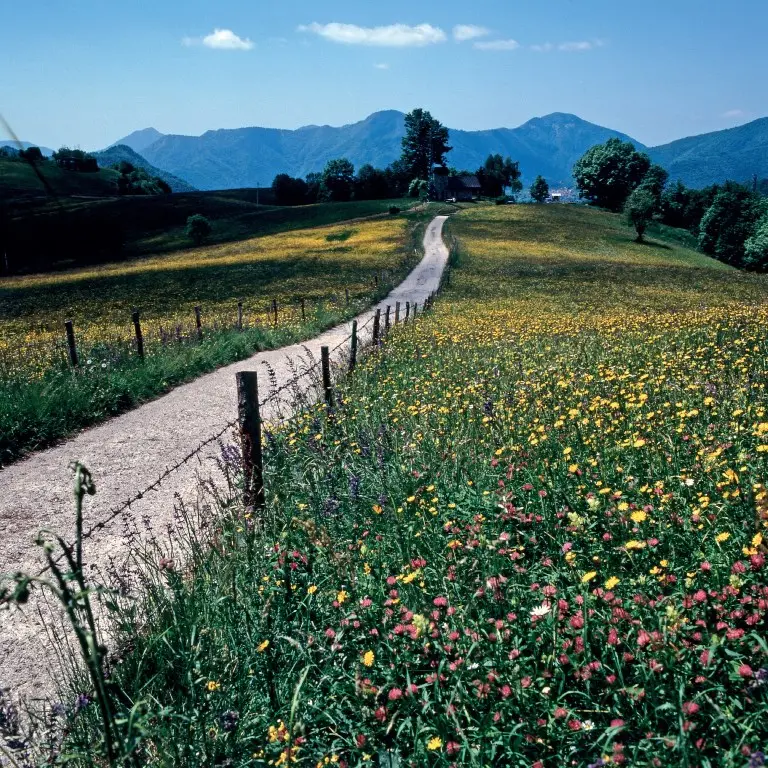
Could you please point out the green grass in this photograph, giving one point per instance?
(18, 179)
(42, 400)
(70, 232)
(527, 536)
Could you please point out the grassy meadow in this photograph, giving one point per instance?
(43, 399)
(531, 534)
(71, 231)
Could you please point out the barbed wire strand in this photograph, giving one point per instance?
(125, 506)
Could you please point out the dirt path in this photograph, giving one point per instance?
(126, 455)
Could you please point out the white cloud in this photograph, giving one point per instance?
(222, 40)
(732, 113)
(392, 36)
(463, 32)
(381, 66)
(497, 45)
(577, 47)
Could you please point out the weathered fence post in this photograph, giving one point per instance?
(397, 312)
(353, 348)
(376, 326)
(325, 359)
(346, 293)
(376, 280)
(448, 277)
(239, 315)
(415, 307)
(407, 311)
(303, 313)
(386, 319)
(274, 310)
(250, 433)
(198, 323)
(139, 335)
(71, 343)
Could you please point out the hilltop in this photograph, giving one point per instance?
(123, 153)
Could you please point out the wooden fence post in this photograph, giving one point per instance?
(397, 312)
(376, 326)
(250, 433)
(415, 307)
(139, 335)
(407, 311)
(303, 313)
(353, 348)
(386, 319)
(198, 323)
(239, 315)
(325, 359)
(376, 280)
(274, 310)
(71, 344)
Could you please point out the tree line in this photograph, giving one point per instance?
(424, 152)
(131, 179)
(730, 220)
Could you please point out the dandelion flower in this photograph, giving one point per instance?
(611, 583)
(263, 646)
(638, 516)
(368, 658)
(434, 743)
(721, 537)
(311, 589)
(587, 577)
(213, 685)
(342, 596)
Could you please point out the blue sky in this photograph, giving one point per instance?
(86, 72)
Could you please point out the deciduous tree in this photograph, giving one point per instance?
(607, 173)
(338, 180)
(539, 189)
(425, 144)
(639, 208)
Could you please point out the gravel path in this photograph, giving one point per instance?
(126, 455)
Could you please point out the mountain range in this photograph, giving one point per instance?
(549, 145)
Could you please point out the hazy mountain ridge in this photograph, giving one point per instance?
(549, 145)
(122, 152)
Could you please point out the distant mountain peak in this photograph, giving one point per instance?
(139, 140)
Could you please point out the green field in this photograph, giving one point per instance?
(43, 400)
(18, 179)
(533, 534)
(43, 234)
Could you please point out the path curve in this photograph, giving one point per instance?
(126, 454)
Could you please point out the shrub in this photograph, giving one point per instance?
(198, 228)
(393, 210)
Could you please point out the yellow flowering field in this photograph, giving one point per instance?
(319, 265)
(532, 532)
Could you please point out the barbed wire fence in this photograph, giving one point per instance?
(298, 396)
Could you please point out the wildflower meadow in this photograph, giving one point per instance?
(532, 532)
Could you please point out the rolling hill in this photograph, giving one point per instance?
(47, 151)
(736, 154)
(121, 152)
(549, 145)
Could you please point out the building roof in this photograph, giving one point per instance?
(457, 183)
